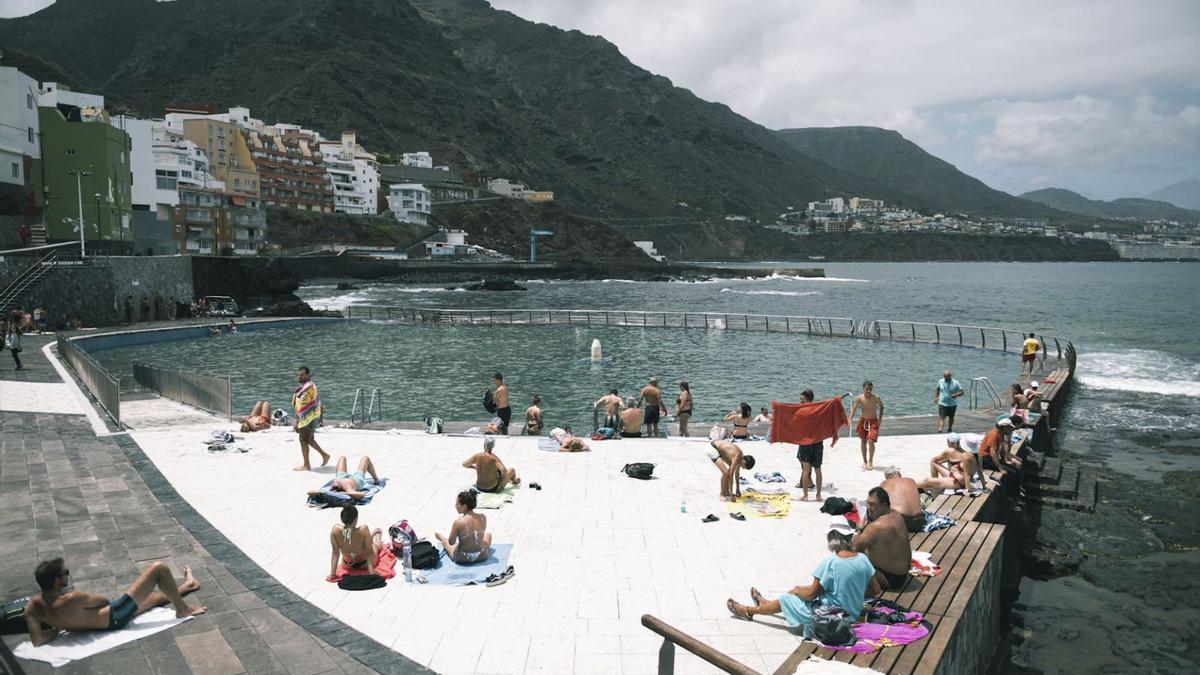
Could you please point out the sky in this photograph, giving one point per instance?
(1098, 96)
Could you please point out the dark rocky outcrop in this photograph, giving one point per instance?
(495, 285)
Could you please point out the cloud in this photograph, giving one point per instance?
(11, 8)
(1085, 131)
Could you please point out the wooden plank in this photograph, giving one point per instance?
(792, 662)
(953, 559)
(933, 645)
(966, 577)
(946, 554)
(955, 576)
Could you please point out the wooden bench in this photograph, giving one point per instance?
(963, 552)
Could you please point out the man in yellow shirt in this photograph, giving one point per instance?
(1029, 352)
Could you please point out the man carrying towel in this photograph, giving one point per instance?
(79, 611)
(307, 404)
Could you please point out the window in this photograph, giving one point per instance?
(31, 134)
(16, 170)
(166, 180)
(70, 152)
(29, 101)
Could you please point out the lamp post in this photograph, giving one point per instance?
(79, 194)
(96, 196)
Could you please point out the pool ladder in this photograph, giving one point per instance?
(374, 407)
(985, 385)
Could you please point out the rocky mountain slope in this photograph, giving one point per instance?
(1184, 194)
(1129, 207)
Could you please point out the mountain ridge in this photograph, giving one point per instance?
(1116, 209)
(1185, 194)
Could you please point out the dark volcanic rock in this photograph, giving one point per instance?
(496, 285)
(346, 286)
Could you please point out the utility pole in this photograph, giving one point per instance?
(79, 194)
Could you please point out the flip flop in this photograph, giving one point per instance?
(731, 606)
(710, 518)
(535, 486)
(737, 516)
(756, 596)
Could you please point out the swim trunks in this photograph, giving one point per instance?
(713, 455)
(121, 611)
(868, 428)
(895, 581)
(651, 416)
(1029, 358)
(505, 414)
(811, 454)
(631, 434)
(611, 421)
(947, 411)
(914, 523)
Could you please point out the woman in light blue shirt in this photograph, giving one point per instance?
(844, 579)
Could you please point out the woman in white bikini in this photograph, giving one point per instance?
(468, 542)
(356, 545)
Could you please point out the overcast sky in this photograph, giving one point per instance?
(1099, 96)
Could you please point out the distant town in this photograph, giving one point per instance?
(199, 181)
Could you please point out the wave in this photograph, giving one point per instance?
(338, 302)
(787, 293)
(790, 277)
(428, 290)
(1140, 370)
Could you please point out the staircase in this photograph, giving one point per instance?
(37, 234)
(11, 295)
(1060, 485)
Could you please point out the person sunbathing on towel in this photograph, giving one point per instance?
(79, 611)
(568, 442)
(845, 579)
(356, 545)
(468, 542)
(351, 484)
(730, 461)
(490, 473)
(258, 419)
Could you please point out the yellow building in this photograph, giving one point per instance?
(538, 195)
(228, 154)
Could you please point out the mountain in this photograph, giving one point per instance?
(886, 157)
(1184, 194)
(1128, 208)
(479, 88)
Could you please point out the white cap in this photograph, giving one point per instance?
(1033, 385)
(951, 439)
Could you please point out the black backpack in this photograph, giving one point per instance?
(489, 403)
(639, 470)
(424, 555)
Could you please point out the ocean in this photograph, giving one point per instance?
(1114, 596)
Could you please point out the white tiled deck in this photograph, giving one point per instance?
(593, 551)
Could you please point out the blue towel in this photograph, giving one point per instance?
(450, 573)
(330, 498)
(936, 521)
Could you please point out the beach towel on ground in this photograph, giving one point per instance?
(71, 646)
(767, 489)
(450, 573)
(923, 565)
(871, 637)
(936, 521)
(329, 498)
(494, 500)
(760, 505)
(548, 444)
(807, 423)
(385, 566)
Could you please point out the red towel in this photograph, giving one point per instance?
(807, 423)
(385, 566)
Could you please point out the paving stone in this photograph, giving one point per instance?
(208, 653)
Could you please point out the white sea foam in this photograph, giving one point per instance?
(1140, 370)
(338, 302)
(787, 293)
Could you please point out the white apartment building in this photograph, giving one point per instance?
(19, 143)
(355, 175)
(409, 203)
(50, 94)
(507, 188)
(834, 205)
(420, 160)
(864, 204)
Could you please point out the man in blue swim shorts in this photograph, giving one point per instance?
(79, 611)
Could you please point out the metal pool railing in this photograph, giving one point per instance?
(103, 386)
(976, 337)
(213, 393)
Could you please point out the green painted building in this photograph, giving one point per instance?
(73, 141)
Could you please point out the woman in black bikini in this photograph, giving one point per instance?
(741, 420)
(683, 408)
(356, 545)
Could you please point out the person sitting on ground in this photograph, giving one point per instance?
(764, 416)
(956, 466)
(1018, 396)
(258, 419)
(468, 542)
(843, 579)
(80, 611)
(356, 545)
(905, 498)
(1033, 397)
(883, 536)
(533, 417)
(631, 419)
(567, 442)
(612, 405)
(741, 420)
(351, 484)
(730, 461)
(490, 473)
(995, 450)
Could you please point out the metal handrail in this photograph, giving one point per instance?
(375, 406)
(211, 393)
(673, 636)
(988, 388)
(103, 386)
(992, 338)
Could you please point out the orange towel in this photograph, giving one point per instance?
(807, 423)
(385, 566)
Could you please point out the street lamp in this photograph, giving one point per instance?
(79, 194)
(96, 196)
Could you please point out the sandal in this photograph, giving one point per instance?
(756, 596)
(743, 615)
(710, 518)
(738, 516)
(535, 486)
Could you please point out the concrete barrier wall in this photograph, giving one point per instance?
(129, 338)
(970, 648)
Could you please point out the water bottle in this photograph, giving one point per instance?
(408, 574)
(683, 503)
